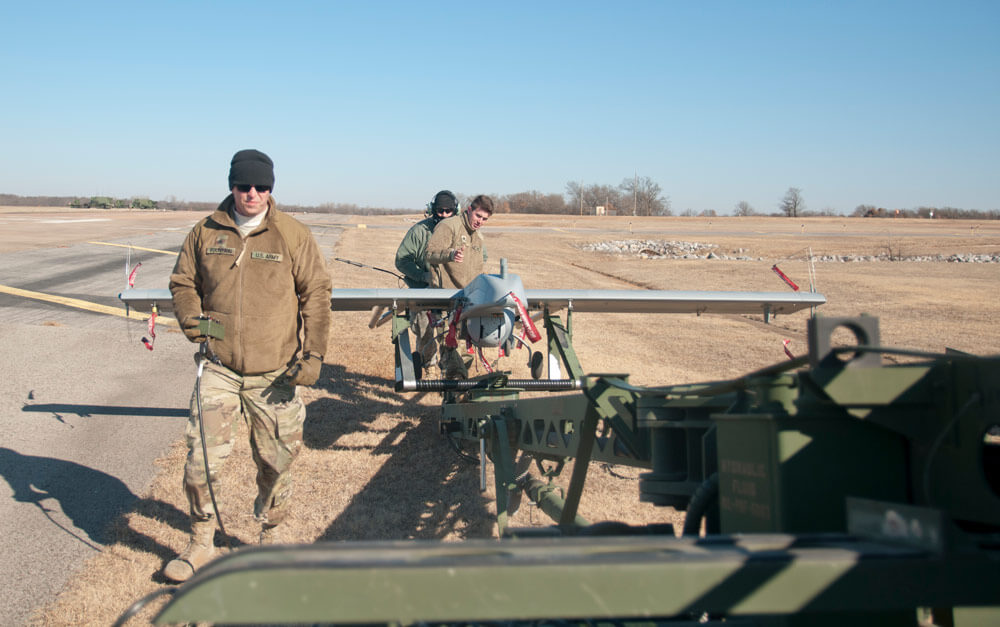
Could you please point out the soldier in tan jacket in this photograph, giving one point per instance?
(456, 254)
(260, 273)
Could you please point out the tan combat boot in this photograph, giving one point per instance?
(200, 550)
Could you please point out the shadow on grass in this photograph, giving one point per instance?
(361, 399)
(423, 489)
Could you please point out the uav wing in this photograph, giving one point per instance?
(609, 301)
(403, 298)
(672, 301)
(143, 300)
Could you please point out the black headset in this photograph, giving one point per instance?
(430, 205)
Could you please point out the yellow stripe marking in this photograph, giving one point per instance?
(82, 304)
(152, 250)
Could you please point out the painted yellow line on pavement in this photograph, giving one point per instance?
(152, 250)
(82, 304)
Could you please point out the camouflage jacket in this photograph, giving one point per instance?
(263, 288)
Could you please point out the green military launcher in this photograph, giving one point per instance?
(830, 489)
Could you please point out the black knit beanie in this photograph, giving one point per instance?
(251, 167)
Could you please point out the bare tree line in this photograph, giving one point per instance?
(943, 213)
(637, 196)
(793, 205)
(640, 196)
(634, 196)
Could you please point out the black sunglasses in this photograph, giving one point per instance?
(260, 188)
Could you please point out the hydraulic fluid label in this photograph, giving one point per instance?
(743, 490)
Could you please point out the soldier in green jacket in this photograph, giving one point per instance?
(258, 272)
(410, 261)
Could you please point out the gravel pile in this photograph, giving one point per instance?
(957, 258)
(659, 249)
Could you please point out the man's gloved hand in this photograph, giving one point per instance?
(192, 329)
(305, 370)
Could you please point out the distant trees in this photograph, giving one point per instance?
(792, 204)
(531, 202)
(638, 195)
(587, 199)
(647, 198)
(936, 213)
(954, 213)
(337, 207)
(13, 200)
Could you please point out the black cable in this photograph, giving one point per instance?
(364, 265)
(704, 499)
(458, 449)
(204, 446)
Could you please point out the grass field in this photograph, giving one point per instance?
(374, 467)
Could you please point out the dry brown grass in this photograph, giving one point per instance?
(375, 468)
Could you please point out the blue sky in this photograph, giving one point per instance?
(381, 104)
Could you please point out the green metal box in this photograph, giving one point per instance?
(792, 474)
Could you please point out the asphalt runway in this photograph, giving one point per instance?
(85, 407)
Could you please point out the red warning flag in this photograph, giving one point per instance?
(151, 327)
(131, 275)
(451, 338)
(785, 278)
(526, 322)
(788, 352)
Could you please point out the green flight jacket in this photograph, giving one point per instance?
(410, 254)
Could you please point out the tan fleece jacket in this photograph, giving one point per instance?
(449, 235)
(263, 288)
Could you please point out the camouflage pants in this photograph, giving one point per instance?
(455, 362)
(425, 343)
(274, 414)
